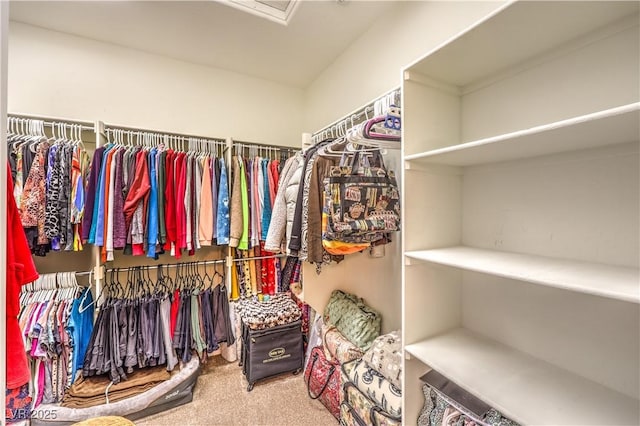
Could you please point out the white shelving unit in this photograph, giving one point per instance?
(522, 386)
(521, 231)
(608, 127)
(615, 282)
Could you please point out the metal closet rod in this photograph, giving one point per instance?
(194, 263)
(51, 122)
(166, 265)
(273, 256)
(357, 114)
(174, 265)
(184, 137)
(244, 144)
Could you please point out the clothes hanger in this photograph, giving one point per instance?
(82, 307)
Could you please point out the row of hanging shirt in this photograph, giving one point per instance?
(256, 175)
(56, 319)
(150, 197)
(148, 322)
(300, 200)
(48, 175)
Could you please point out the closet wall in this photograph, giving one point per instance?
(90, 80)
(371, 65)
(354, 79)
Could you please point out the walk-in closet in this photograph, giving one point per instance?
(296, 212)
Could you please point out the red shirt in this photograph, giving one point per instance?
(20, 271)
(169, 205)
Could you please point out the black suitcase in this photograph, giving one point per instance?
(271, 351)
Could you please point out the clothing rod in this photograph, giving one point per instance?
(185, 137)
(167, 265)
(50, 122)
(357, 112)
(78, 274)
(274, 256)
(260, 145)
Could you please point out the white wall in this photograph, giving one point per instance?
(370, 67)
(60, 75)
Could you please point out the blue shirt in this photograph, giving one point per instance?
(80, 328)
(96, 235)
(152, 211)
(223, 221)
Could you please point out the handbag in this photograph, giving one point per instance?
(337, 347)
(363, 200)
(371, 383)
(324, 381)
(365, 409)
(353, 318)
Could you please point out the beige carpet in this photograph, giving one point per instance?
(221, 398)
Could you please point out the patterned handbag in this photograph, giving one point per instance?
(442, 410)
(372, 384)
(364, 409)
(353, 318)
(363, 199)
(337, 347)
(324, 381)
(349, 417)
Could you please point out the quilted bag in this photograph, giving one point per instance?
(366, 410)
(353, 318)
(364, 199)
(324, 381)
(337, 347)
(385, 356)
(440, 410)
(349, 417)
(374, 386)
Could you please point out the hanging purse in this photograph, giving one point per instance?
(363, 198)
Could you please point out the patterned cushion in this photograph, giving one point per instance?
(278, 310)
(373, 384)
(338, 347)
(385, 356)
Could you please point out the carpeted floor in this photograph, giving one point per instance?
(221, 398)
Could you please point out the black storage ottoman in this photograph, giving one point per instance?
(271, 351)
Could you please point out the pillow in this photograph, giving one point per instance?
(385, 356)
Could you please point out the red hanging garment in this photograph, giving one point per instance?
(20, 271)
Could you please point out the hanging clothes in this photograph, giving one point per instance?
(152, 200)
(19, 270)
(56, 319)
(147, 323)
(48, 178)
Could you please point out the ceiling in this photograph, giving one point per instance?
(211, 33)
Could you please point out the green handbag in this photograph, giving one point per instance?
(353, 318)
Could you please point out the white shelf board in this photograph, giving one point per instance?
(526, 389)
(612, 126)
(514, 33)
(614, 282)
